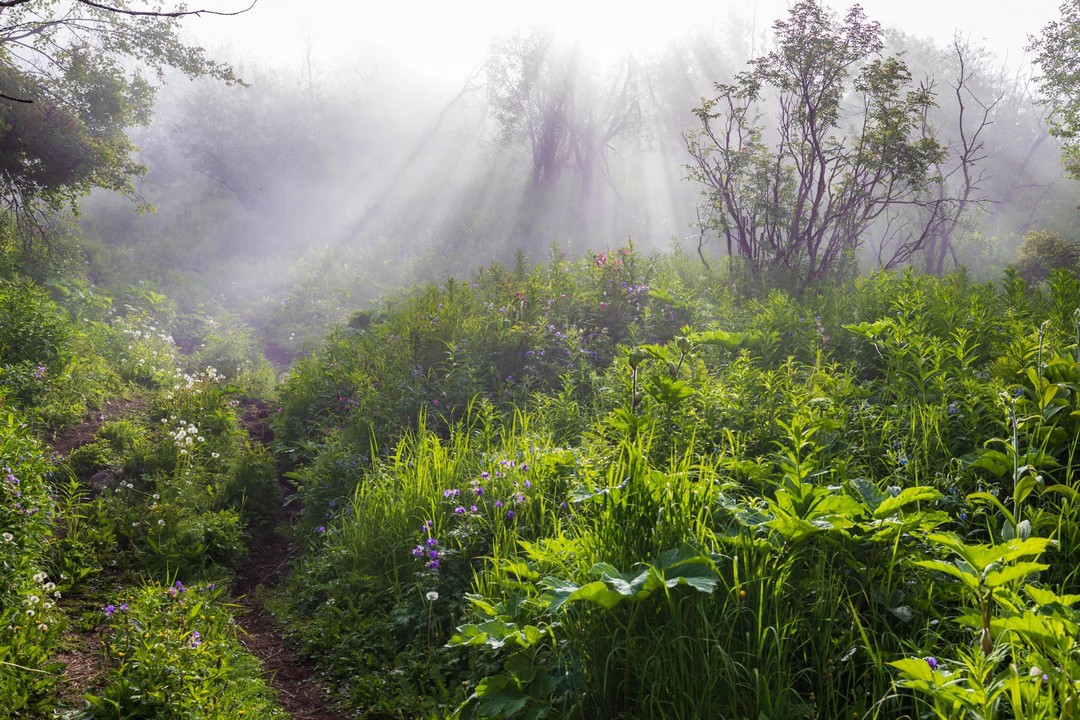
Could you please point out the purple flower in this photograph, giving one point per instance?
(432, 542)
(123, 607)
(498, 504)
(932, 662)
(433, 565)
(485, 474)
(453, 492)
(510, 514)
(459, 510)
(418, 551)
(472, 508)
(528, 484)
(433, 554)
(321, 529)
(524, 467)
(479, 491)
(109, 609)
(179, 586)
(196, 639)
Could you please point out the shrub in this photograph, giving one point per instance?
(174, 653)
(1041, 252)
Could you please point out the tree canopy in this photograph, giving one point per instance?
(74, 76)
(848, 149)
(1056, 54)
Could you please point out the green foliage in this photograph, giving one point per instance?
(1043, 251)
(1054, 54)
(68, 105)
(29, 620)
(800, 206)
(752, 513)
(173, 652)
(502, 337)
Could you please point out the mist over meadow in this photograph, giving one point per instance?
(489, 361)
(329, 183)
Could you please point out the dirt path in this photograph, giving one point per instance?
(289, 674)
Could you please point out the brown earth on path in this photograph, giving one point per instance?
(291, 676)
(67, 439)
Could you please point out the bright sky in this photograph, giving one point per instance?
(446, 39)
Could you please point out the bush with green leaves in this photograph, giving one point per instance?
(502, 336)
(178, 491)
(174, 652)
(47, 363)
(29, 620)
(750, 514)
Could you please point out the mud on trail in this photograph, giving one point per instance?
(291, 676)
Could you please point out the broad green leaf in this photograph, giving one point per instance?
(467, 635)
(968, 578)
(698, 573)
(869, 492)
(728, 340)
(1043, 596)
(597, 592)
(482, 604)
(914, 668)
(995, 462)
(558, 592)
(520, 570)
(906, 497)
(1010, 573)
(501, 695)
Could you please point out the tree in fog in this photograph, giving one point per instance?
(72, 80)
(542, 97)
(1001, 175)
(848, 150)
(1056, 53)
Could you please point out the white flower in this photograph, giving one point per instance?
(8, 537)
(49, 587)
(161, 523)
(43, 627)
(432, 596)
(40, 577)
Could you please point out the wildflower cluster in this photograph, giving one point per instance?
(493, 496)
(148, 354)
(175, 647)
(185, 435)
(40, 602)
(428, 550)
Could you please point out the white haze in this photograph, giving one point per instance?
(364, 154)
(449, 40)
